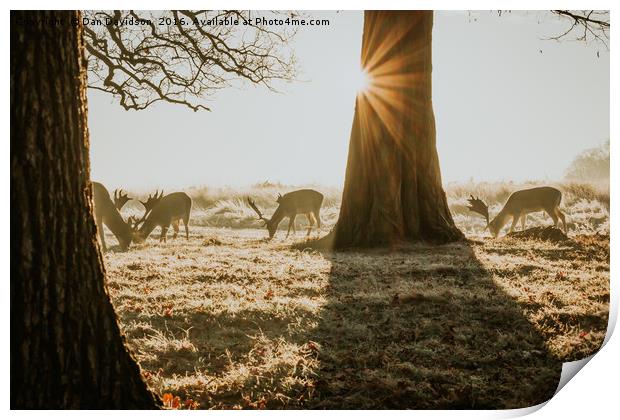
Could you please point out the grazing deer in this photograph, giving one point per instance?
(519, 204)
(168, 210)
(107, 213)
(290, 205)
(120, 200)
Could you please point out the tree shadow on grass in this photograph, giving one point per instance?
(425, 328)
(418, 327)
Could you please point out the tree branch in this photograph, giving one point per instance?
(594, 24)
(182, 57)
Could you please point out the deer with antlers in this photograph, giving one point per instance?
(306, 202)
(106, 212)
(518, 205)
(163, 211)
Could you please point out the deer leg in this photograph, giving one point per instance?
(164, 231)
(523, 217)
(311, 221)
(316, 221)
(515, 219)
(551, 213)
(317, 215)
(291, 223)
(562, 217)
(101, 233)
(186, 224)
(175, 226)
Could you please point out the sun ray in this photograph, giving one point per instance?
(390, 95)
(372, 54)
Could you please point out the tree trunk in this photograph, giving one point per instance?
(393, 189)
(67, 350)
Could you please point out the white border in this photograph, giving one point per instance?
(591, 395)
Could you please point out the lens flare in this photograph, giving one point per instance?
(363, 81)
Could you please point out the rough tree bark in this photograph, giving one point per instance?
(393, 189)
(66, 347)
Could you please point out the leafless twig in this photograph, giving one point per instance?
(586, 25)
(181, 57)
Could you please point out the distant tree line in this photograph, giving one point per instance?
(590, 165)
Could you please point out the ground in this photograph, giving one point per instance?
(228, 319)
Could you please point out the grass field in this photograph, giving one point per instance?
(586, 205)
(231, 320)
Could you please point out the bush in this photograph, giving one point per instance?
(590, 165)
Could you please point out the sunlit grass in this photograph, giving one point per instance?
(233, 321)
(586, 205)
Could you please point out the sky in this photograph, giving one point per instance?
(509, 105)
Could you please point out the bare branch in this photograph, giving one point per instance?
(586, 25)
(182, 57)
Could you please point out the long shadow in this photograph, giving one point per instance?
(425, 328)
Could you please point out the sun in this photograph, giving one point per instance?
(362, 81)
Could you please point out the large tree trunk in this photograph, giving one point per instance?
(393, 189)
(66, 347)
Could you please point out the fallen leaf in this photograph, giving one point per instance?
(167, 399)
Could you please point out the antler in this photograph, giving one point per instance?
(478, 206)
(253, 205)
(148, 199)
(153, 198)
(120, 199)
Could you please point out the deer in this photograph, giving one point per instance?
(120, 200)
(305, 201)
(107, 213)
(518, 205)
(166, 211)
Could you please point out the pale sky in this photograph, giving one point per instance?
(504, 111)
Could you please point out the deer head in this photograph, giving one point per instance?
(478, 206)
(119, 199)
(271, 226)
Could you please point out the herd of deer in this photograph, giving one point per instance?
(163, 211)
(160, 211)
